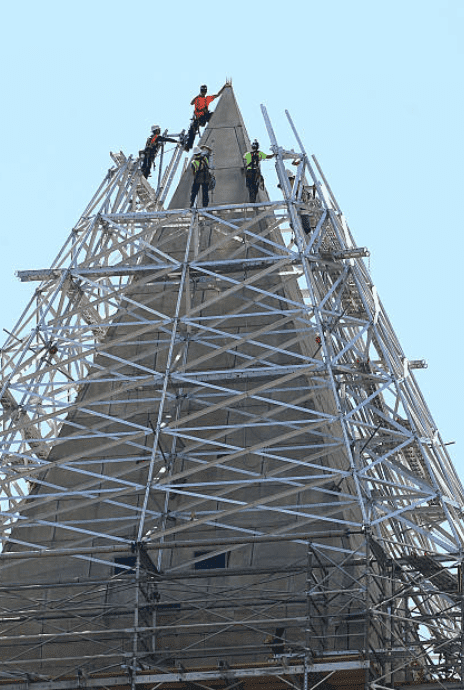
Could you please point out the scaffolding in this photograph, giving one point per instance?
(218, 470)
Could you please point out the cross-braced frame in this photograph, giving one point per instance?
(217, 464)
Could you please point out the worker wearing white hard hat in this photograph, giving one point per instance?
(201, 175)
(148, 155)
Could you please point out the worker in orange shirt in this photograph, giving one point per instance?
(201, 114)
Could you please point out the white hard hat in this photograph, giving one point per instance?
(154, 127)
(290, 174)
(196, 151)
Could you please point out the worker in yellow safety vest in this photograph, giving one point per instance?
(254, 179)
(202, 176)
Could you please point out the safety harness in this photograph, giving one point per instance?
(200, 109)
(200, 165)
(254, 162)
(151, 141)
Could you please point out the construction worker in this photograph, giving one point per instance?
(308, 193)
(253, 176)
(291, 178)
(201, 174)
(148, 155)
(201, 114)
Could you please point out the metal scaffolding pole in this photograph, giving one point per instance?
(217, 465)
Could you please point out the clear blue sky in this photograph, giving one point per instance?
(375, 89)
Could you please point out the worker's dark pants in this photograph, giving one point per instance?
(204, 189)
(197, 122)
(305, 222)
(253, 180)
(148, 158)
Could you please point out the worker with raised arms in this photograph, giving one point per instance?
(201, 113)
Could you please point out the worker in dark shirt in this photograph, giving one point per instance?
(253, 177)
(201, 113)
(308, 197)
(201, 175)
(154, 141)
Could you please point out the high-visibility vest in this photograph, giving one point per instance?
(151, 141)
(252, 159)
(199, 164)
(201, 104)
